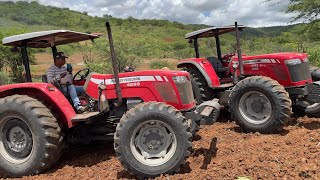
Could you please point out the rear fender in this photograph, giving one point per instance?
(53, 99)
(204, 67)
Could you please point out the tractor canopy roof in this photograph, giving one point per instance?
(212, 31)
(44, 39)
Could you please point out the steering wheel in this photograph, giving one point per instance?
(228, 56)
(81, 74)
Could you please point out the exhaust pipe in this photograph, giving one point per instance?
(239, 50)
(114, 64)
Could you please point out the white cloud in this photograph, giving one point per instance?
(255, 13)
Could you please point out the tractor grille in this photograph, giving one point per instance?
(299, 72)
(167, 92)
(185, 91)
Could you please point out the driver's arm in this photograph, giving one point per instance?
(54, 75)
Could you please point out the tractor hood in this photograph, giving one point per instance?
(130, 79)
(275, 56)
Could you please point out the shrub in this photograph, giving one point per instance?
(4, 79)
(314, 58)
(158, 64)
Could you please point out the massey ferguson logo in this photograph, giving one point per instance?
(128, 79)
(123, 80)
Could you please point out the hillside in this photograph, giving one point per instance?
(37, 16)
(136, 40)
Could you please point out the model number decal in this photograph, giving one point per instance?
(133, 84)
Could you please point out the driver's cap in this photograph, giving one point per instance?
(60, 55)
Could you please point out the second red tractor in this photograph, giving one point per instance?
(259, 91)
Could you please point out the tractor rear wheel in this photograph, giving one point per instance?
(260, 104)
(30, 137)
(201, 91)
(152, 139)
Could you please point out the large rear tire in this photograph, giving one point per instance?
(152, 139)
(260, 104)
(30, 137)
(201, 91)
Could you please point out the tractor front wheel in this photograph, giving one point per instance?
(152, 139)
(260, 104)
(30, 137)
(304, 108)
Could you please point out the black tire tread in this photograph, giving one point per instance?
(50, 127)
(270, 85)
(139, 109)
(206, 93)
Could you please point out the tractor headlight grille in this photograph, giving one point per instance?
(184, 87)
(298, 70)
(293, 61)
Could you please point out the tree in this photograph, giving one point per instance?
(308, 11)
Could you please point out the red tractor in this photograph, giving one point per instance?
(259, 91)
(148, 114)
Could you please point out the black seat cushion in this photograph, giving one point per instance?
(217, 65)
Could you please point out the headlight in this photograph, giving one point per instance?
(293, 61)
(179, 79)
(305, 60)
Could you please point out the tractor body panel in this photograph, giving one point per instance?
(270, 65)
(205, 68)
(275, 67)
(147, 85)
(47, 94)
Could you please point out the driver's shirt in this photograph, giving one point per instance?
(54, 71)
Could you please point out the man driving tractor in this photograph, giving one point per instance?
(59, 76)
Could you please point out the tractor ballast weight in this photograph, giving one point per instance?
(150, 115)
(253, 85)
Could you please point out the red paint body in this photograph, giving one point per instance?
(41, 91)
(159, 85)
(272, 65)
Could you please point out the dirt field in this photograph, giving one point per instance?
(221, 151)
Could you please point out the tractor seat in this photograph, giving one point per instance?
(217, 65)
(44, 79)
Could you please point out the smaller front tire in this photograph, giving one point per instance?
(152, 139)
(260, 104)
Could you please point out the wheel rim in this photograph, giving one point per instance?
(153, 143)
(255, 107)
(16, 142)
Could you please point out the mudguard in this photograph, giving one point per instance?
(204, 67)
(47, 94)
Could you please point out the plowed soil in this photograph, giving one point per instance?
(221, 151)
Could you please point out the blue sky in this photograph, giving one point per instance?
(254, 13)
